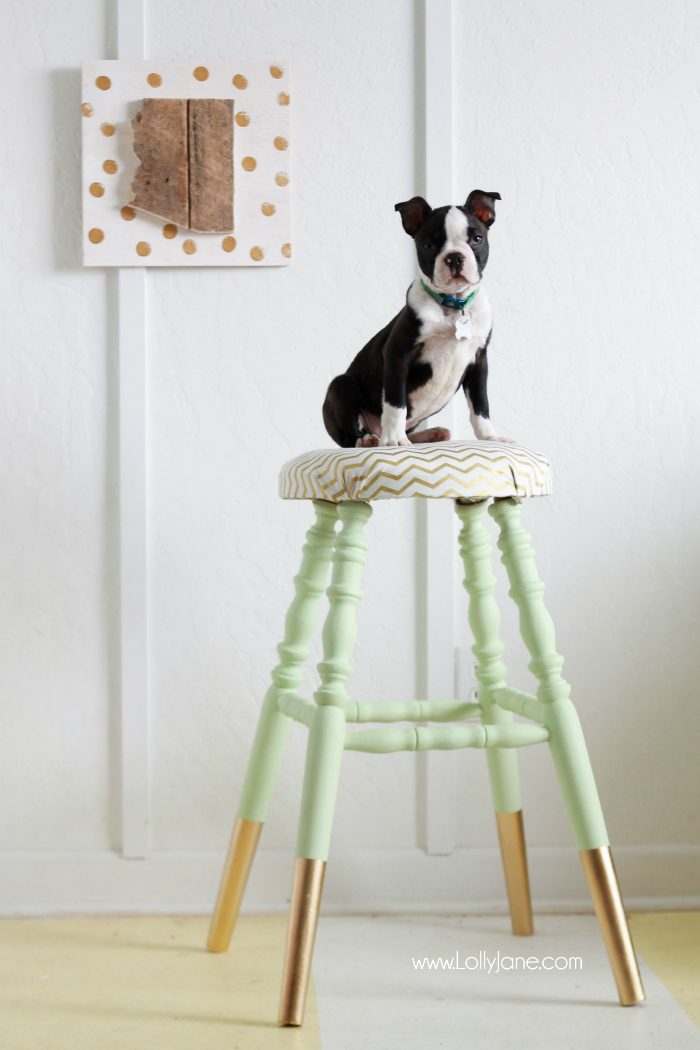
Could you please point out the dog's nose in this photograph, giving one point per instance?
(454, 261)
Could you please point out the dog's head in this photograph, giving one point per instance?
(452, 243)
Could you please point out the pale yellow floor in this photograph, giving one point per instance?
(146, 982)
(143, 982)
(669, 943)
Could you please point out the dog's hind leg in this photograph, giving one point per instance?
(417, 437)
(342, 413)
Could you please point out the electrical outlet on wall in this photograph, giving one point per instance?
(465, 680)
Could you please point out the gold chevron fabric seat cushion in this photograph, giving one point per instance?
(468, 470)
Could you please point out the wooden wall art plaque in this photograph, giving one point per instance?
(186, 164)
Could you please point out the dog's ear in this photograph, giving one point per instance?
(482, 204)
(413, 214)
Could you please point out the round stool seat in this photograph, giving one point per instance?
(467, 470)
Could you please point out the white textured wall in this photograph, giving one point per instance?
(55, 454)
(585, 117)
(240, 364)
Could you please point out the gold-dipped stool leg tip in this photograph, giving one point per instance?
(511, 838)
(607, 900)
(244, 842)
(301, 934)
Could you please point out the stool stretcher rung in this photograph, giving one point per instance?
(297, 708)
(444, 738)
(410, 711)
(520, 703)
(302, 710)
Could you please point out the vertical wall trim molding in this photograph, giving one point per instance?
(435, 518)
(133, 545)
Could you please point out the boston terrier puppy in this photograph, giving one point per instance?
(436, 344)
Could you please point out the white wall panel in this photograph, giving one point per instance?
(240, 364)
(585, 116)
(56, 463)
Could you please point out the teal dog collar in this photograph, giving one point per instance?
(450, 301)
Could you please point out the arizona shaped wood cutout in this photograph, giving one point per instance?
(185, 147)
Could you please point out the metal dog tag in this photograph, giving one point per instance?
(463, 326)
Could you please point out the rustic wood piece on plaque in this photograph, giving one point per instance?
(161, 182)
(186, 151)
(210, 125)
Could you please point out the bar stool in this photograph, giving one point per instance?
(479, 476)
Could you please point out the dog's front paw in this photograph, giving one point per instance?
(501, 438)
(393, 438)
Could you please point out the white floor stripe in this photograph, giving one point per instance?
(369, 994)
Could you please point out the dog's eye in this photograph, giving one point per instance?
(427, 246)
(476, 238)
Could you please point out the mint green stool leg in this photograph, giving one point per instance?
(484, 618)
(568, 748)
(323, 759)
(273, 726)
(537, 629)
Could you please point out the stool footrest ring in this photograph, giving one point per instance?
(302, 710)
(520, 703)
(444, 738)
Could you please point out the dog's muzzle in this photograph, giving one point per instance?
(454, 262)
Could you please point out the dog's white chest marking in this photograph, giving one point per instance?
(448, 358)
(447, 355)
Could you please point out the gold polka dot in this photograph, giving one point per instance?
(103, 83)
(86, 109)
(267, 208)
(95, 235)
(170, 230)
(249, 163)
(283, 99)
(286, 250)
(154, 79)
(240, 82)
(189, 247)
(110, 166)
(281, 178)
(256, 253)
(128, 213)
(228, 244)
(200, 73)
(96, 189)
(280, 142)
(107, 129)
(276, 72)
(143, 248)
(242, 119)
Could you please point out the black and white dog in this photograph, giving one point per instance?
(435, 345)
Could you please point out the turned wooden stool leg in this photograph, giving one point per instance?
(273, 726)
(323, 759)
(484, 618)
(568, 749)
